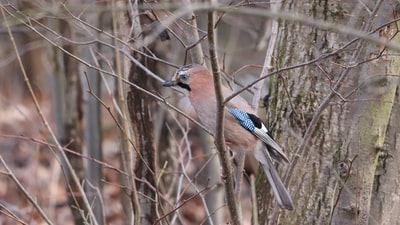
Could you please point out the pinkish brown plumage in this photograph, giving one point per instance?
(242, 128)
(202, 97)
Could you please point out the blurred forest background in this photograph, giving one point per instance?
(88, 135)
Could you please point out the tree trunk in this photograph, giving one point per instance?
(93, 121)
(331, 116)
(71, 100)
(141, 106)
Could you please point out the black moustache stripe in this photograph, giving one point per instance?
(184, 86)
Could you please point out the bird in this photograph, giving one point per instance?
(243, 129)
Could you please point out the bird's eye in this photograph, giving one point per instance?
(184, 77)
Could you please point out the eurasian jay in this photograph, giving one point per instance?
(242, 128)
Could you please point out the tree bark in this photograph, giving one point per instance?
(140, 107)
(331, 115)
(71, 135)
(93, 121)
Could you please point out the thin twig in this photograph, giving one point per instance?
(10, 211)
(180, 205)
(180, 192)
(46, 124)
(219, 136)
(324, 56)
(65, 148)
(268, 56)
(25, 192)
(124, 52)
(349, 170)
(325, 102)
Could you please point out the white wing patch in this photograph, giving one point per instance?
(262, 134)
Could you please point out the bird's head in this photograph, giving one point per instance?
(189, 76)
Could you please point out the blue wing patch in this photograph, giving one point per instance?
(243, 118)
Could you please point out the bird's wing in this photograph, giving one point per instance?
(264, 135)
(254, 124)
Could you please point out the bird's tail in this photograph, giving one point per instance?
(281, 194)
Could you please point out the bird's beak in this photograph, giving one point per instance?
(173, 83)
(170, 83)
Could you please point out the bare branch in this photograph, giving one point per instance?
(219, 136)
(25, 192)
(46, 124)
(268, 56)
